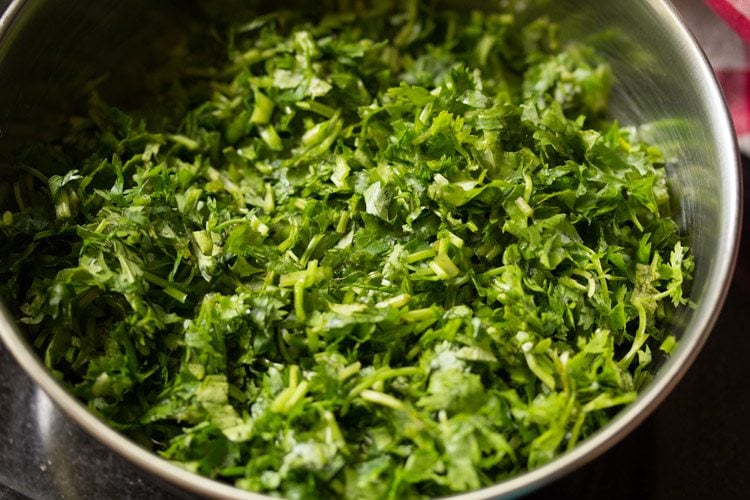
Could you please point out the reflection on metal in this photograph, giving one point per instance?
(43, 454)
(45, 414)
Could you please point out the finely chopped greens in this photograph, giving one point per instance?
(392, 252)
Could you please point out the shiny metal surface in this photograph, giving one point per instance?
(49, 49)
(44, 455)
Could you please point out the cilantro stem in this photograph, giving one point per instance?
(186, 142)
(383, 400)
(419, 315)
(640, 336)
(299, 309)
(166, 287)
(333, 431)
(19, 196)
(524, 206)
(319, 108)
(421, 255)
(263, 109)
(352, 369)
(311, 246)
(271, 138)
(381, 375)
(36, 173)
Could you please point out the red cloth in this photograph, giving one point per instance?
(736, 86)
(736, 13)
(728, 51)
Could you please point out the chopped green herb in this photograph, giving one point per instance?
(377, 253)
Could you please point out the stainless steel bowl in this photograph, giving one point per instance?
(49, 49)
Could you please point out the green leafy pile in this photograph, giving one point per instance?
(384, 254)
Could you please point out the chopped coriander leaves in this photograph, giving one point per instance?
(382, 254)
